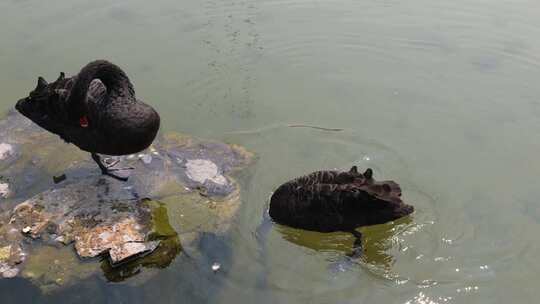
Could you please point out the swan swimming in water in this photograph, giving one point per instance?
(328, 201)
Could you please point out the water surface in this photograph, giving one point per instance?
(441, 96)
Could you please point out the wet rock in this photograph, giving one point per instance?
(79, 213)
(4, 190)
(146, 158)
(135, 224)
(6, 150)
(10, 272)
(206, 164)
(202, 171)
(168, 247)
(59, 178)
(10, 257)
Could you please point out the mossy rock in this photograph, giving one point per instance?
(180, 187)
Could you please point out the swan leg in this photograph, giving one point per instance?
(357, 245)
(348, 261)
(107, 169)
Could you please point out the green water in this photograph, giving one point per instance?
(441, 96)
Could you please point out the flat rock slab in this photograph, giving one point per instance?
(79, 214)
(99, 215)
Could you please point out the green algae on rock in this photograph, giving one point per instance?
(162, 256)
(178, 188)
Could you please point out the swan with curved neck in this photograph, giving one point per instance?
(96, 110)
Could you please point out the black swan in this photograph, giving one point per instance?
(328, 201)
(96, 110)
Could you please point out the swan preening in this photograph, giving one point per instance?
(328, 201)
(96, 110)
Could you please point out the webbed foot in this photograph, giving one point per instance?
(107, 168)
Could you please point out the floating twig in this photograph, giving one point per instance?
(316, 127)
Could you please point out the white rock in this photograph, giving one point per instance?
(8, 272)
(147, 158)
(4, 190)
(60, 239)
(201, 170)
(130, 249)
(5, 150)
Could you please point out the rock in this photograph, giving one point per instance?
(10, 257)
(135, 224)
(81, 214)
(146, 158)
(6, 150)
(59, 178)
(9, 272)
(206, 164)
(5, 253)
(4, 190)
(204, 171)
(167, 249)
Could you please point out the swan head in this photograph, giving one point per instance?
(33, 106)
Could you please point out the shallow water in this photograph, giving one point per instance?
(438, 95)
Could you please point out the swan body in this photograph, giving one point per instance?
(328, 201)
(96, 110)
